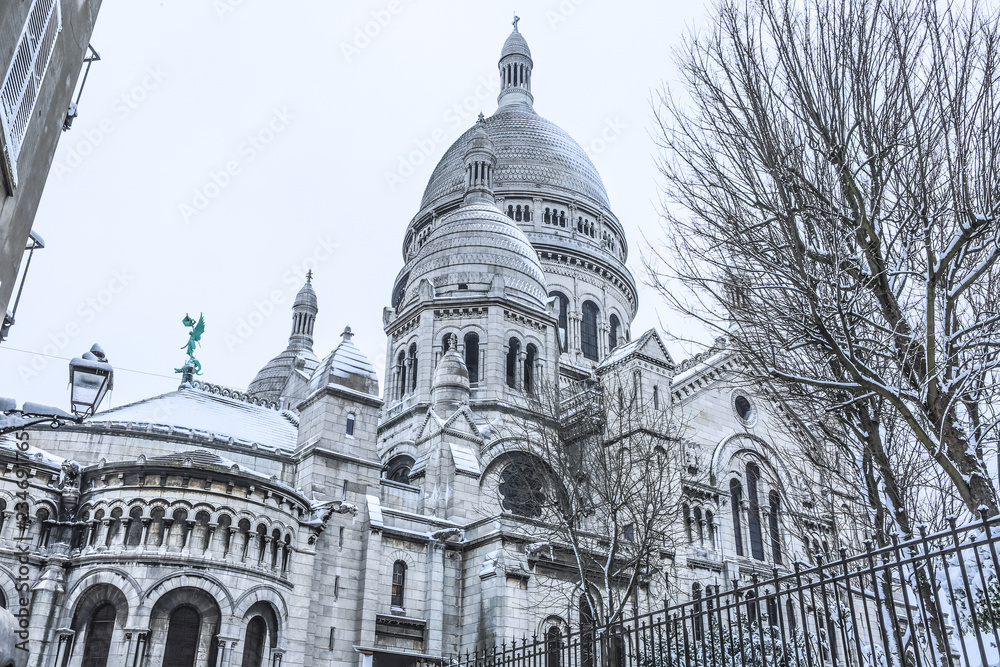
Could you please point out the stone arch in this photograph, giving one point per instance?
(262, 593)
(108, 577)
(204, 582)
(8, 585)
(733, 446)
(92, 605)
(212, 620)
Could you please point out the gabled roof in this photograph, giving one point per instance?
(647, 345)
(205, 410)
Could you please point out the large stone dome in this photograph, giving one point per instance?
(476, 249)
(533, 154)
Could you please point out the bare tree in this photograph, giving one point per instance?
(832, 203)
(608, 497)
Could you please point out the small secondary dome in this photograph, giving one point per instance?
(451, 389)
(476, 249)
(271, 380)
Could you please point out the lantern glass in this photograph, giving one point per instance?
(89, 382)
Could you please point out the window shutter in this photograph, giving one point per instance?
(23, 79)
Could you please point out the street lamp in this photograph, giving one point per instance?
(90, 379)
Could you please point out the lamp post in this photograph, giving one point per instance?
(90, 377)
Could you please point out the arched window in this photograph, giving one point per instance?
(553, 647)
(710, 529)
(563, 302)
(181, 647)
(735, 500)
(253, 646)
(97, 645)
(530, 356)
(398, 469)
(517, 215)
(472, 356)
(753, 516)
(398, 583)
(548, 216)
(510, 212)
(513, 351)
(615, 325)
(401, 374)
(588, 330)
(775, 526)
(527, 214)
(699, 526)
(413, 367)
(445, 342)
(686, 511)
(562, 218)
(656, 397)
(350, 423)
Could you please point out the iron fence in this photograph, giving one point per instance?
(929, 601)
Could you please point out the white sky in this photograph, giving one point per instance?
(182, 87)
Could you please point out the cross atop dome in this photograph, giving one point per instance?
(309, 276)
(514, 22)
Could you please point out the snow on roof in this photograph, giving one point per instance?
(465, 458)
(347, 366)
(200, 411)
(32, 453)
(623, 351)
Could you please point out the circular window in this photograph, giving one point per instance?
(521, 489)
(744, 409)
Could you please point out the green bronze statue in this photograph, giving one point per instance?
(192, 366)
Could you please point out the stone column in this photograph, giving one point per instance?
(102, 534)
(210, 539)
(146, 523)
(168, 528)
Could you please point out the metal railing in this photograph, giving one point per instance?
(929, 601)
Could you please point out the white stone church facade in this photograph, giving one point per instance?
(316, 520)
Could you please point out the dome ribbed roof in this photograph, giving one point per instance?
(531, 151)
(515, 44)
(271, 379)
(306, 298)
(469, 249)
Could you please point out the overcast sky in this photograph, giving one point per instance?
(224, 147)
